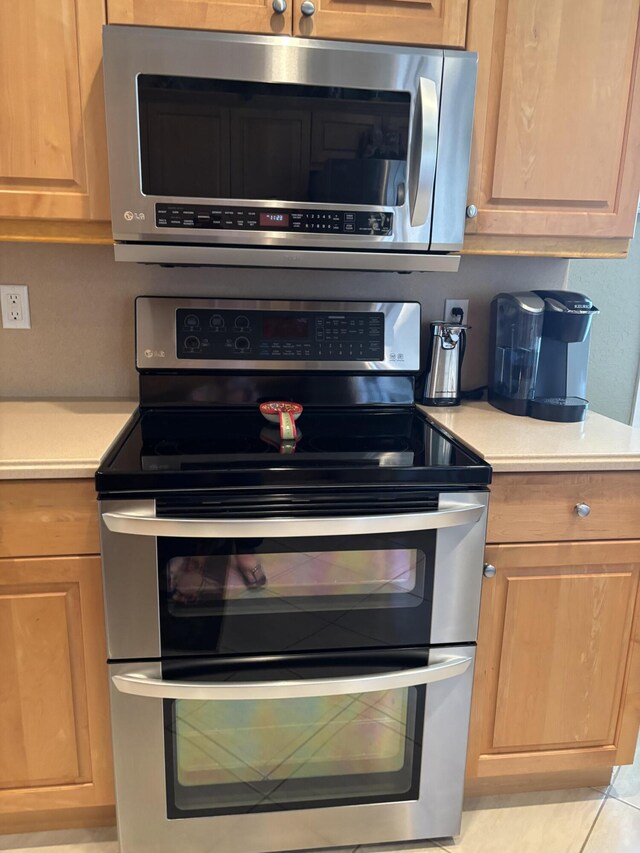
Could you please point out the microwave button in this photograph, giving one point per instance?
(349, 217)
(350, 226)
(175, 222)
(162, 221)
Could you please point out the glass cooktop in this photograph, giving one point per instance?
(194, 448)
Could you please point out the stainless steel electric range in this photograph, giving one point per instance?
(291, 620)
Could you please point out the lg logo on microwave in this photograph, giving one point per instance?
(129, 215)
(154, 353)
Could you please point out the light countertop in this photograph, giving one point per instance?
(57, 438)
(67, 438)
(511, 443)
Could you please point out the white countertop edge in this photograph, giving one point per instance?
(550, 463)
(57, 470)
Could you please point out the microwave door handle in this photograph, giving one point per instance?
(452, 515)
(140, 683)
(424, 152)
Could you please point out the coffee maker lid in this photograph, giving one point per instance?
(526, 300)
(567, 301)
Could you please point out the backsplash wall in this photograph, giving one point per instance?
(82, 339)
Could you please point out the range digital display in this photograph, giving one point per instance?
(286, 327)
(274, 220)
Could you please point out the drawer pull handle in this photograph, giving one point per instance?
(489, 571)
(583, 510)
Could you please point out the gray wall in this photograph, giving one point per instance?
(614, 361)
(81, 341)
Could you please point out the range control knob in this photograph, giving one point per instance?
(217, 323)
(243, 344)
(242, 322)
(192, 342)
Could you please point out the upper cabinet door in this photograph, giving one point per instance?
(53, 160)
(240, 16)
(417, 22)
(557, 129)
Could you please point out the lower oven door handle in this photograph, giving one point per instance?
(140, 684)
(450, 515)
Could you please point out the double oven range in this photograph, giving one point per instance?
(291, 624)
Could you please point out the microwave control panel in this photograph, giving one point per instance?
(279, 335)
(204, 216)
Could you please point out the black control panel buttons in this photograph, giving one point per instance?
(226, 335)
(293, 220)
(192, 321)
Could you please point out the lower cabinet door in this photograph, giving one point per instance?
(55, 746)
(558, 663)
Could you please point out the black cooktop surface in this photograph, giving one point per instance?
(169, 449)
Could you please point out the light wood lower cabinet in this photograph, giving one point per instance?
(556, 148)
(55, 742)
(557, 680)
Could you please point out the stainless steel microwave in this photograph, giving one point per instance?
(229, 149)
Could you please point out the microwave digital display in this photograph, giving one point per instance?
(274, 220)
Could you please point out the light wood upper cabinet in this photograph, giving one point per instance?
(241, 16)
(55, 749)
(556, 147)
(53, 160)
(416, 22)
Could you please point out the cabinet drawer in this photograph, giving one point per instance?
(542, 507)
(48, 518)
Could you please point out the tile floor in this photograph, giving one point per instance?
(584, 820)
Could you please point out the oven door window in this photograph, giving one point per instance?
(227, 139)
(233, 756)
(242, 595)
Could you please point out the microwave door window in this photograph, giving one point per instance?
(203, 138)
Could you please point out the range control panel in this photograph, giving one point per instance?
(203, 216)
(279, 335)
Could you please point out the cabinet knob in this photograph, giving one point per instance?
(583, 510)
(472, 211)
(307, 8)
(489, 571)
(279, 6)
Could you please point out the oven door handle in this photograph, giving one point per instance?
(142, 684)
(424, 152)
(138, 524)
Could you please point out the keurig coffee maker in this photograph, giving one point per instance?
(540, 353)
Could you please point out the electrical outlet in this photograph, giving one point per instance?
(450, 305)
(14, 300)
